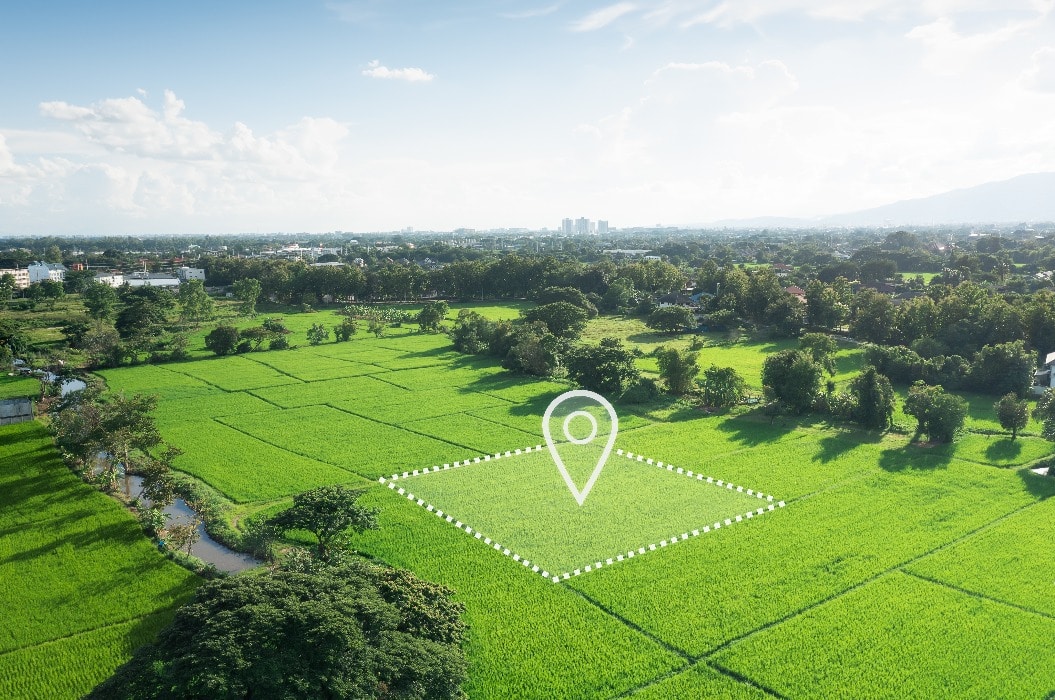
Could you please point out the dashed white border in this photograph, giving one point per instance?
(770, 505)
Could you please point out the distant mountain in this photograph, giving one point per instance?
(1026, 198)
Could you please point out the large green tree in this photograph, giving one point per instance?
(793, 378)
(1012, 412)
(353, 631)
(939, 415)
(873, 399)
(563, 319)
(247, 291)
(195, 304)
(722, 386)
(607, 368)
(671, 319)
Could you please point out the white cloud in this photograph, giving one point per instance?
(374, 69)
(949, 52)
(598, 19)
(1041, 75)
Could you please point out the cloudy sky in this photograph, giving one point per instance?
(375, 115)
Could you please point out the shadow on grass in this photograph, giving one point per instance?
(1003, 450)
(1039, 485)
(916, 456)
(755, 428)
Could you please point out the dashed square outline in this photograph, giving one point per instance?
(769, 499)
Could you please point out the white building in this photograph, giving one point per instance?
(186, 274)
(1044, 378)
(151, 279)
(40, 271)
(21, 276)
(113, 279)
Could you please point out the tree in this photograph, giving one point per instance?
(532, 350)
(247, 291)
(1012, 412)
(722, 386)
(672, 319)
(620, 296)
(821, 348)
(222, 340)
(7, 286)
(317, 334)
(563, 319)
(678, 368)
(345, 330)
(53, 292)
(431, 315)
(327, 512)
(793, 378)
(1045, 413)
(100, 300)
(195, 304)
(873, 399)
(607, 368)
(472, 333)
(568, 294)
(1003, 368)
(939, 415)
(376, 327)
(354, 631)
(785, 316)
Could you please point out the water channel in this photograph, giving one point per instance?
(206, 548)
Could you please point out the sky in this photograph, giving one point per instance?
(379, 115)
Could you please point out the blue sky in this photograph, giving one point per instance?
(213, 117)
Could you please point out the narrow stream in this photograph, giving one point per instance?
(206, 548)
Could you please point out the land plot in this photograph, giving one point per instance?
(309, 366)
(348, 441)
(362, 391)
(478, 434)
(401, 407)
(529, 638)
(78, 562)
(712, 589)
(522, 502)
(365, 351)
(1010, 561)
(151, 379)
(234, 373)
(998, 450)
(527, 415)
(919, 650)
(210, 405)
(18, 387)
(247, 469)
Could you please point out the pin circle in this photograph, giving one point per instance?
(593, 426)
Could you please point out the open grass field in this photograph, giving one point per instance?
(82, 585)
(894, 570)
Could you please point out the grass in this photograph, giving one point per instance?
(522, 502)
(82, 585)
(16, 387)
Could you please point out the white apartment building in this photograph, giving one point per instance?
(40, 271)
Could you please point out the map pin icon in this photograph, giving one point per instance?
(580, 495)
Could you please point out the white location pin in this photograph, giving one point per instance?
(580, 496)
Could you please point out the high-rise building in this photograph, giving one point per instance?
(602, 227)
(566, 227)
(582, 226)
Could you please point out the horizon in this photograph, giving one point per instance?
(369, 118)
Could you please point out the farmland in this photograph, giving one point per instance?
(83, 587)
(895, 569)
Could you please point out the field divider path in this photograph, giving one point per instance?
(196, 378)
(81, 633)
(281, 371)
(219, 419)
(976, 594)
(401, 427)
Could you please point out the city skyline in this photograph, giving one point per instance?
(362, 116)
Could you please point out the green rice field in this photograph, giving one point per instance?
(82, 585)
(894, 569)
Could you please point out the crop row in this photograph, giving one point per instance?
(234, 373)
(397, 406)
(932, 642)
(529, 638)
(348, 441)
(72, 666)
(365, 390)
(1010, 561)
(711, 589)
(247, 469)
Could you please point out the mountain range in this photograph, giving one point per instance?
(1023, 199)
